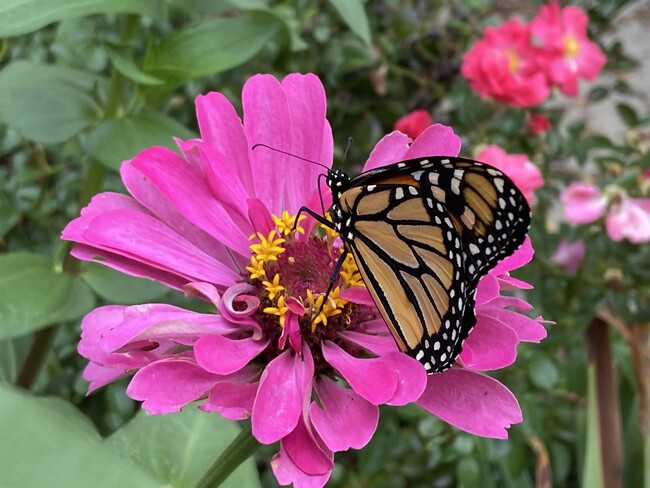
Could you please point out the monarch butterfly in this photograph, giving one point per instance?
(422, 233)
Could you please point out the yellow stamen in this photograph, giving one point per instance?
(330, 308)
(286, 222)
(513, 60)
(571, 46)
(329, 232)
(274, 287)
(256, 269)
(268, 248)
(350, 272)
(280, 310)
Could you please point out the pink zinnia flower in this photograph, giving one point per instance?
(414, 123)
(503, 65)
(583, 203)
(629, 218)
(538, 123)
(569, 255)
(565, 49)
(525, 174)
(267, 354)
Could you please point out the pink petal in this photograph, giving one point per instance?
(411, 378)
(373, 379)
(188, 191)
(358, 294)
(437, 140)
(233, 401)
(307, 106)
(527, 329)
(305, 452)
(138, 236)
(279, 402)
(519, 258)
(343, 419)
(488, 289)
(267, 120)
(220, 355)
(286, 472)
(390, 149)
(471, 402)
(221, 127)
(150, 197)
(259, 216)
(166, 386)
(99, 376)
(161, 321)
(378, 344)
(493, 344)
(629, 220)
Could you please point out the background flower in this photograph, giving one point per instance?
(567, 53)
(413, 123)
(503, 66)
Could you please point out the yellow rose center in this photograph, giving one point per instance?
(571, 46)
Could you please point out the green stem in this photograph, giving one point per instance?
(239, 450)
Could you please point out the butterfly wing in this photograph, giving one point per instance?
(422, 233)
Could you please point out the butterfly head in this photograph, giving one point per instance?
(337, 180)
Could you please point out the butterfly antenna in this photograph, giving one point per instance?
(290, 154)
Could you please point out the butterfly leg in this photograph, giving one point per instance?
(333, 278)
(311, 213)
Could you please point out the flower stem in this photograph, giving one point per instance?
(239, 450)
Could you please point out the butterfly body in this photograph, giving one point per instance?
(422, 233)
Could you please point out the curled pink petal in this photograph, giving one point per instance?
(411, 378)
(472, 402)
(342, 418)
(303, 449)
(526, 328)
(287, 473)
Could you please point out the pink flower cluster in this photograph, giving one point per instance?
(626, 217)
(518, 64)
(310, 374)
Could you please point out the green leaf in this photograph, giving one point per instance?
(12, 355)
(543, 372)
(120, 288)
(627, 114)
(210, 47)
(46, 103)
(23, 16)
(353, 14)
(48, 442)
(178, 448)
(33, 295)
(123, 62)
(115, 140)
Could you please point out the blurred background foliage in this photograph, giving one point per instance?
(87, 84)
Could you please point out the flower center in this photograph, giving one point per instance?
(513, 60)
(571, 46)
(291, 273)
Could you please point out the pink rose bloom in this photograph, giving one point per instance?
(414, 123)
(503, 65)
(566, 51)
(538, 123)
(569, 255)
(218, 222)
(526, 175)
(629, 219)
(583, 203)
